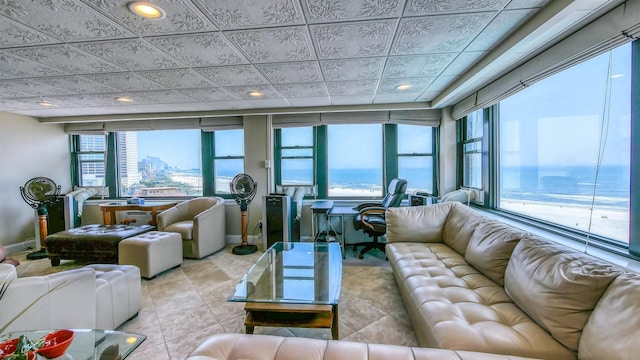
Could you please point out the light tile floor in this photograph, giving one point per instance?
(183, 306)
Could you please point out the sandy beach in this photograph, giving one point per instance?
(606, 221)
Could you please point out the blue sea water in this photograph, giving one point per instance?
(568, 184)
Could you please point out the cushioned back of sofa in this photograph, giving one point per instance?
(490, 248)
(556, 286)
(416, 223)
(612, 331)
(461, 223)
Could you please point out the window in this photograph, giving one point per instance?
(160, 163)
(354, 160)
(354, 165)
(415, 157)
(296, 165)
(228, 158)
(472, 132)
(90, 157)
(564, 148)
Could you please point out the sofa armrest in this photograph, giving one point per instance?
(63, 300)
(372, 210)
(359, 207)
(417, 223)
(209, 229)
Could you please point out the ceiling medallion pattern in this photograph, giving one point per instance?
(329, 10)
(302, 90)
(229, 15)
(353, 39)
(416, 34)
(426, 7)
(352, 69)
(209, 54)
(200, 50)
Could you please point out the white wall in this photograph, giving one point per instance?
(29, 149)
(448, 144)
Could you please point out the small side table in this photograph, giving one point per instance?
(320, 207)
(341, 212)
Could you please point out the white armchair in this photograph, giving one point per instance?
(92, 297)
(200, 222)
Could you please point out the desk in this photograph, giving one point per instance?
(91, 344)
(341, 211)
(317, 208)
(109, 209)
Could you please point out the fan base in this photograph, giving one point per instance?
(40, 254)
(244, 249)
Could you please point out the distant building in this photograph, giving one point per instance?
(152, 166)
(128, 158)
(161, 191)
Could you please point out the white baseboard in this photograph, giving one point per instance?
(21, 246)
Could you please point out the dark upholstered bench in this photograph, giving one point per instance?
(90, 243)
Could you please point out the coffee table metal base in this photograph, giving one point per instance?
(292, 315)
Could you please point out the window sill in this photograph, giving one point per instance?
(622, 260)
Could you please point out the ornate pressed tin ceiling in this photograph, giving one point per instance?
(209, 54)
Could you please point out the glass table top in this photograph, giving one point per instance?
(90, 344)
(294, 273)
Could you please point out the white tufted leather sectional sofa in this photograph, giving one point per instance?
(476, 284)
(267, 347)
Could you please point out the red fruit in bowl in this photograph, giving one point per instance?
(55, 344)
(8, 347)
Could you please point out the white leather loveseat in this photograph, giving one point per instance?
(476, 284)
(94, 297)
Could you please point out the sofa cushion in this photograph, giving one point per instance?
(184, 228)
(490, 248)
(416, 223)
(618, 311)
(556, 286)
(461, 222)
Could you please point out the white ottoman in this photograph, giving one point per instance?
(153, 252)
(118, 294)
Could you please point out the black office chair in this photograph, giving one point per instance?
(371, 216)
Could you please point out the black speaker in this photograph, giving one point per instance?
(55, 220)
(276, 219)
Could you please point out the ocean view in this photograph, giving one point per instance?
(561, 195)
(567, 185)
(570, 184)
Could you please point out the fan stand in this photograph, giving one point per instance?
(245, 248)
(42, 224)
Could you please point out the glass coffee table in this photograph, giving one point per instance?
(293, 285)
(90, 344)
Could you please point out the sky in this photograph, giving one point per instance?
(178, 148)
(558, 120)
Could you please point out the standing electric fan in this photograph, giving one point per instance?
(243, 189)
(39, 193)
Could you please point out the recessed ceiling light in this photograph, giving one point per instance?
(46, 104)
(146, 10)
(404, 87)
(255, 94)
(124, 99)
